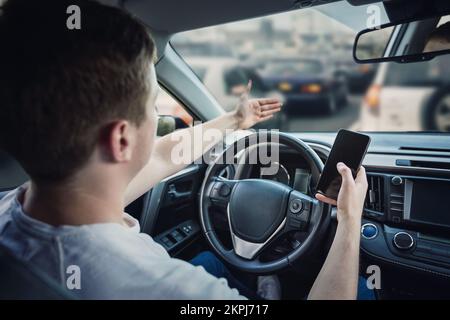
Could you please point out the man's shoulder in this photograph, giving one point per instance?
(6, 199)
(7, 205)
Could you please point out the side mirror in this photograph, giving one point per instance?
(168, 124)
(408, 41)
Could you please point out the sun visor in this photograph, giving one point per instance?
(415, 9)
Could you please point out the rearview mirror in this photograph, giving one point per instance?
(408, 41)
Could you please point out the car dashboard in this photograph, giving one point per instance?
(406, 218)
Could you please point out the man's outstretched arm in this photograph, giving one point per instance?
(191, 141)
(338, 278)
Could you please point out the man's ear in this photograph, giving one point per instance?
(119, 141)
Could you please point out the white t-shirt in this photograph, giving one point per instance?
(107, 260)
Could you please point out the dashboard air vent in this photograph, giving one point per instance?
(375, 193)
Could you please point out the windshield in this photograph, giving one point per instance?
(292, 68)
(305, 58)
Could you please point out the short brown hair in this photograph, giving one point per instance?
(60, 87)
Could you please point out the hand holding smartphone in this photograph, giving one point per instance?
(350, 148)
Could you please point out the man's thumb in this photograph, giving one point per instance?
(345, 173)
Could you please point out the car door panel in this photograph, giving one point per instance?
(171, 208)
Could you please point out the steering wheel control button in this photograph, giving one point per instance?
(220, 192)
(369, 231)
(403, 240)
(296, 206)
(224, 190)
(396, 181)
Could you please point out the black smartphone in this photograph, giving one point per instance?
(350, 148)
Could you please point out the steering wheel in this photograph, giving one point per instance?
(260, 211)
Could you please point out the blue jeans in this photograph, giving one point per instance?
(364, 293)
(214, 266)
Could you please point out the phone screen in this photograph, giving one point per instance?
(349, 147)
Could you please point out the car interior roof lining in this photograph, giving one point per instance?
(174, 16)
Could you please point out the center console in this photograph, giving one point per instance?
(410, 215)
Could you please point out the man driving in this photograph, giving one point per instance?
(78, 113)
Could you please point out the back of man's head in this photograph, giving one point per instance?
(60, 86)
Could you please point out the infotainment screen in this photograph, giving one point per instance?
(430, 202)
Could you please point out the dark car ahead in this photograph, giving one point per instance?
(307, 84)
(358, 76)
